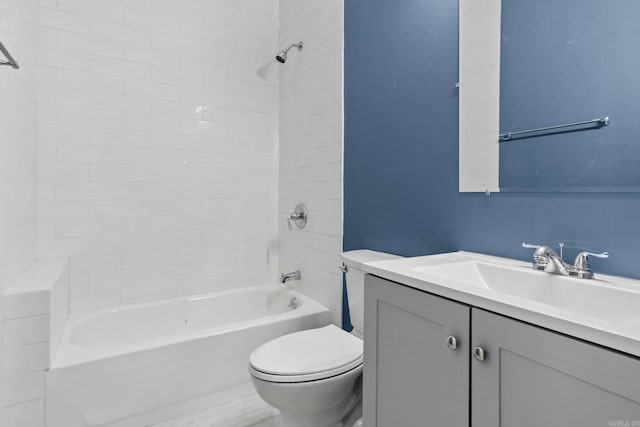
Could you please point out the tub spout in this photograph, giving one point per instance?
(295, 275)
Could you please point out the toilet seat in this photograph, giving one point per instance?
(309, 355)
(304, 378)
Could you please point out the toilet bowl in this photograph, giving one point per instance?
(314, 377)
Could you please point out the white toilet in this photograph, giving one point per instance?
(314, 377)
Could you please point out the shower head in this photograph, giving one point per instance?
(282, 56)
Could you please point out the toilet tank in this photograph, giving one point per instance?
(355, 283)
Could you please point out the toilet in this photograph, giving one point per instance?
(314, 377)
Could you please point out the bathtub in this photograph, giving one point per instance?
(145, 363)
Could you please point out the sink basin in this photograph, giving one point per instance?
(592, 297)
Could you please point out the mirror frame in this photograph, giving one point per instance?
(479, 95)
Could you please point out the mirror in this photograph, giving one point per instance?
(527, 65)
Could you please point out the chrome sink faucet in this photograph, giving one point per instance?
(546, 259)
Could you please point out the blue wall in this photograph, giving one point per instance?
(401, 154)
(568, 61)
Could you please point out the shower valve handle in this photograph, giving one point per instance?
(298, 217)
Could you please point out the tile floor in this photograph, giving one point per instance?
(250, 411)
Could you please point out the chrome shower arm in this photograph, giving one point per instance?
(299, 45)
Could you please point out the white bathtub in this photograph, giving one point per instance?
(144, 363)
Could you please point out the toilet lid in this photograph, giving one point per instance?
(307, 352)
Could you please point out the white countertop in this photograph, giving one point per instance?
(623, 335)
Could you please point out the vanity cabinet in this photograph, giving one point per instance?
(512, 374)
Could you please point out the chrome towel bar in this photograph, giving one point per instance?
(10, 61)
(596, 123)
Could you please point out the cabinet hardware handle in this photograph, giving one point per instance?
(452, 342)
(479, 354)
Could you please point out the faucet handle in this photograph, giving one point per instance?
(582, 266)
(601, 255)
(582, 260)
(529, 246)
(298, 217)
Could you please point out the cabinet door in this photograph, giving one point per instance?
(532, 377)
(411, 376)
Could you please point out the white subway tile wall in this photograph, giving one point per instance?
(162, 162)
(311, 146)
(17, 140)
(158, 145)
(20, 394)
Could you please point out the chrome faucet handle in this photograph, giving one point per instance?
(544, 254)
(292, 217)
(601, 255)
(582, 260)
(299, 217)
(582, 266)
(529, 246)
(540, 254)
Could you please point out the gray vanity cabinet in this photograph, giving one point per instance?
(502, 372)
(416, 366)
(533, 377)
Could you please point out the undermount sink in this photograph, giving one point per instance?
(592, 297)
